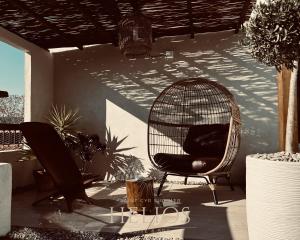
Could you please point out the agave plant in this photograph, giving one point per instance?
(64, 121)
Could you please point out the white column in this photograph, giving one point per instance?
(5, 198)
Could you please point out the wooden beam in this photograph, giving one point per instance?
(87, 14)
(42, 46)
(186, 30)
(190, 13)
(246, 5)
(86, 38)
(283, 83)
(23, 7)
(113, 10)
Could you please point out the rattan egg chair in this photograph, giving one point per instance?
(194, 131)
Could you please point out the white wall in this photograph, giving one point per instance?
(38, 98)
(112, 91)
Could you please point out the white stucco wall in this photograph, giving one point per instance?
(38, 99)
(114, 92)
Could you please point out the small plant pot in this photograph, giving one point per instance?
(43, 181)
(273, 199)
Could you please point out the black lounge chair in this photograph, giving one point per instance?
(56, 158)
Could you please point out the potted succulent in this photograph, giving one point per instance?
(272, 180)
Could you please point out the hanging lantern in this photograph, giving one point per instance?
(135, 35)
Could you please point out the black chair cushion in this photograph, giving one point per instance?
(181, 163)
(206, 140)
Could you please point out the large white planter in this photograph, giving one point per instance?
(273, 199)
(5, 198)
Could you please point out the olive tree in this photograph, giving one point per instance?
(273, 36)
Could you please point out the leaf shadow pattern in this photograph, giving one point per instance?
(134, 168)
(118, 165)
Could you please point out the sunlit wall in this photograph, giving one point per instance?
(116, 93)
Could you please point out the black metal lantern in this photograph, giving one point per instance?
(135, 35)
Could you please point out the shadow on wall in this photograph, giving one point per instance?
(117, 164)
(113, 91)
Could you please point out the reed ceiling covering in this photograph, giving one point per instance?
(75, 23)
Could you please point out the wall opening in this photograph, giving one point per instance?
(12, 80)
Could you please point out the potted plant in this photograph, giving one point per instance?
(86, 147)
(272, 180)
(64, 121)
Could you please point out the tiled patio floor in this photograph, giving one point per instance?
(203, 220)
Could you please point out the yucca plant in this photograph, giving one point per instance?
(64, 121)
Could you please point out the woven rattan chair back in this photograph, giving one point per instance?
(187, 103)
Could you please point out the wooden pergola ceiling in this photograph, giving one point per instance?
(75, 23)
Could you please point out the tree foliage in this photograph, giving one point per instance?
(12, 109)
(273, 33)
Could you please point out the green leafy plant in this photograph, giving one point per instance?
(86, 147)
(273, 37)
(273, 33)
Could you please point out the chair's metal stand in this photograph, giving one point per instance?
(48, 197)
(211, 181)
(69, 201)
